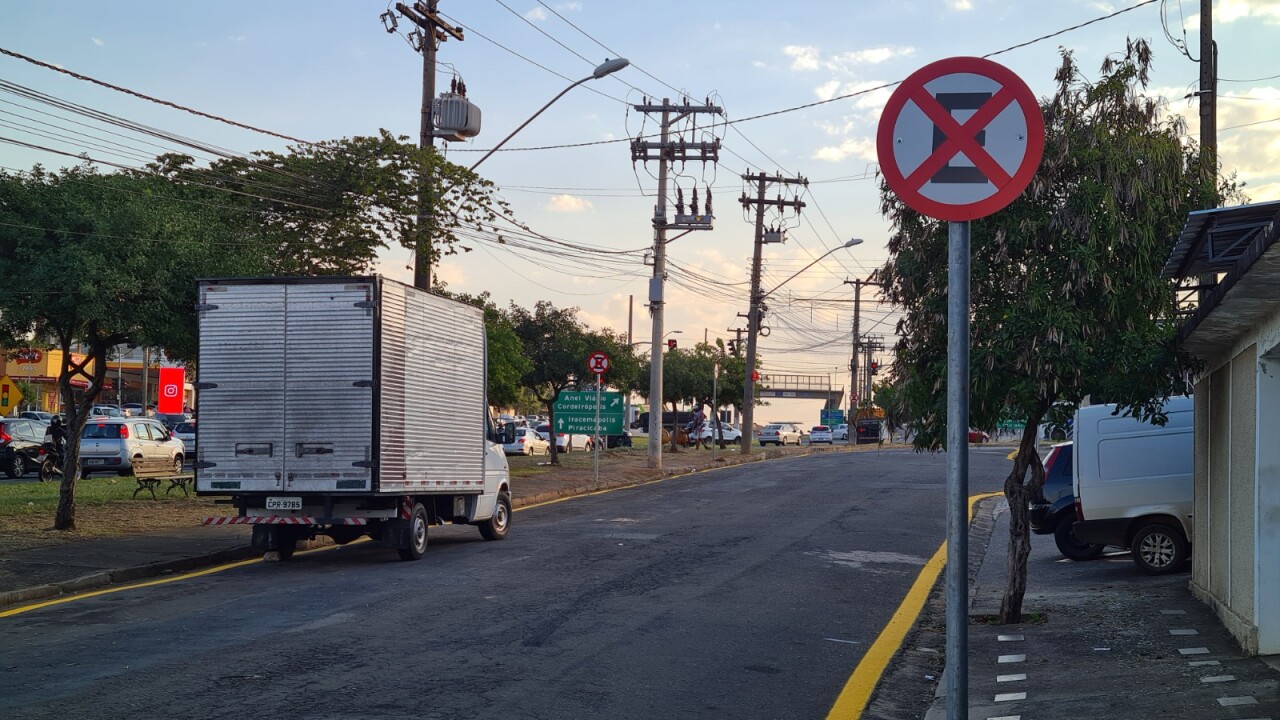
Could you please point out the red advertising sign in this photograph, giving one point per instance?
(960, 138)
(29, 356)
(170, 390)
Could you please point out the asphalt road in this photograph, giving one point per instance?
(750, 592)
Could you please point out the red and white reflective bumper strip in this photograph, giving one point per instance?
(281, 520)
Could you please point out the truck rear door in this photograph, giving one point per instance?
(285, 392)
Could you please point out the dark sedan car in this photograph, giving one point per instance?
(1057, 513)
(20, 445)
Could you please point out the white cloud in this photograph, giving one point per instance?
(536, 14)
(237, 38)
(863, 148)
(803, 57)
(574, 6)
(97, 41)
(1102, 7)
(960, 5)
(568, 204)
(759, 64)
(807, 57)
(1232, 10)
(827, 90)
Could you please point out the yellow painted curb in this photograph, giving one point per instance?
(853, 699)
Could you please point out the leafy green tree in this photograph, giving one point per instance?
(889, 397)
(556, 343)
(329, 207)
(1066, 294)
(91, 261)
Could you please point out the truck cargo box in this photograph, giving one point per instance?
(342, 385)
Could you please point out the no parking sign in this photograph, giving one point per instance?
(960, 138)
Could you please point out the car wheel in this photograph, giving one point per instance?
(177, 464)
(1159, 549)
(417, 535)
(1058, 435)
(17, 467)
(496, 527)
(1070, 546)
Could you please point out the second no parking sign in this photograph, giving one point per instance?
(960, 138)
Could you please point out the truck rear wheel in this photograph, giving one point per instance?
(496, 527)
(417, 535)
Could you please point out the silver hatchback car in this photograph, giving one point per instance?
(124, 445)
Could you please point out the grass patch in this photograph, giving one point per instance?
(41, 498)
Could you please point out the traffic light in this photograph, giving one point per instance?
(733, 346)
(755, 376)
(671, 344)
(875, 367)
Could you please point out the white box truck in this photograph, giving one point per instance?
(1133, 483)
(347, 407)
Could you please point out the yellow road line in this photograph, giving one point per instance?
(242, 563)
(852, 700)
(149, 583)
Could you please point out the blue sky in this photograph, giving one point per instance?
(320, 70)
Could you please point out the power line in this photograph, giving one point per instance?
(149, 98)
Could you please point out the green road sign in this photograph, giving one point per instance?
(832, 417)
(575, 412)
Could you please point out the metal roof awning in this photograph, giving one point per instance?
(1242, 243)
(1213, 240)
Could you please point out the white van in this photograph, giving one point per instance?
(1133, 483)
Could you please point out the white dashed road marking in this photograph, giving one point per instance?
(1015, 658)
(1011, 678)
(1233, 701)
(1194, 651)
(1010, 697)
(1184, 631)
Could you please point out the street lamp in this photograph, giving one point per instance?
(753, 329)
(608, 67)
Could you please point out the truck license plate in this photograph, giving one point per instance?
(284, 503)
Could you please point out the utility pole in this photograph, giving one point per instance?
(853, 356)
(754, 314)
(665, 152)
(1208, 86)
(432, 31)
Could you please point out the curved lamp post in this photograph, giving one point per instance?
(753, 329)
(607, 67)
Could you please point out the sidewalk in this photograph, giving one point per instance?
(1103, 640)
(44, 572)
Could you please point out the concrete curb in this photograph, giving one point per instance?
(245, 552)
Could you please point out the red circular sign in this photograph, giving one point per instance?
(598, 362)
(960, 138)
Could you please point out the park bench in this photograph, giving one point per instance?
(149, 480)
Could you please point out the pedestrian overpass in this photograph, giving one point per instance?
(803, 387)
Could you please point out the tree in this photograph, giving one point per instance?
(888, 394)
(91, 261)
(1066, 294)
(557, 344)
(328, 207)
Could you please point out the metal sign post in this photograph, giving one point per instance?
(959, 140)
(598, 363)
(717, 432)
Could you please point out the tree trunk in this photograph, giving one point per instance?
(1018, 494)
(675, 425)
(551, 429)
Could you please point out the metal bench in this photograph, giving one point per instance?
(149, 480)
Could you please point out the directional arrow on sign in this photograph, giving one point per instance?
(559, 423)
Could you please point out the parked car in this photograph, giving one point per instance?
(186, 432)
(710, 432)
(21, 445)
(821, 434)
(781, 434)
(977, 436)
(527, 442)
(1055, 514)
(841, 432)
(171, 420)
(37, 415)
(134, 409)
(1133, 483)
(565, 442)
(869, 430)
(122, 445)
(101, 411)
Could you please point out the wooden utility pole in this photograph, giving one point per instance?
(756, 312)
(666, 152)
(1208, 86)
(432, 31)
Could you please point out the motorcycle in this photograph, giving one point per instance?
(51, 468)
